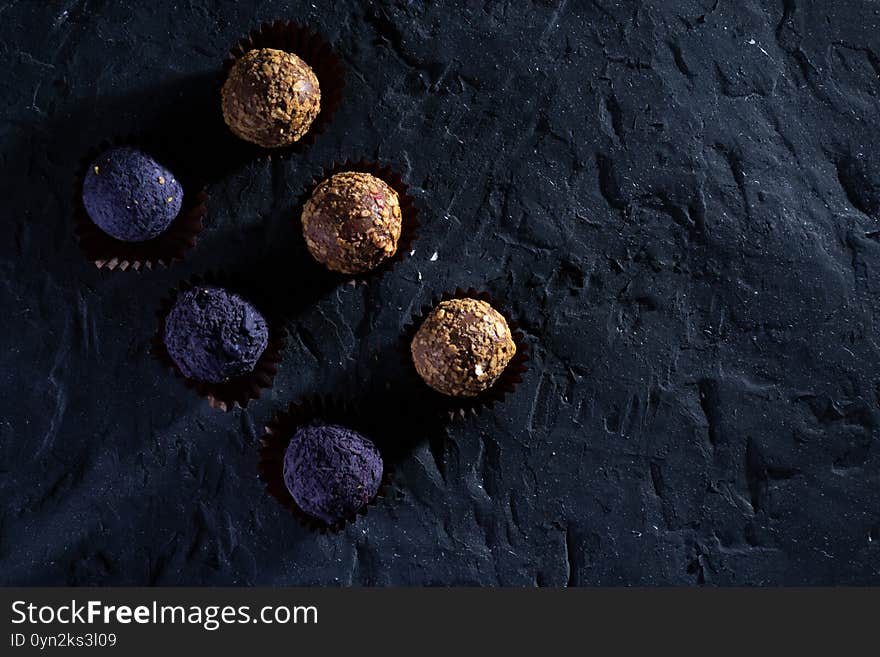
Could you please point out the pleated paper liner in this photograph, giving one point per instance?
(239, 390)
(275, 441)
(408, 211)
(309, 46)
(505, 384)
(171, 245)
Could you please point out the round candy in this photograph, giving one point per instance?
(331, 472)
(130, 196)
(462, 347)
(270, 98)
(214, 335)
(352, 222)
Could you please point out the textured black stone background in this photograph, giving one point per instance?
(679, 199)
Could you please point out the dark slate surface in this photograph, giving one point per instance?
(680, 201)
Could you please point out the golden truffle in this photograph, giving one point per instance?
(270, 98)
(352, 222)
(462, 347)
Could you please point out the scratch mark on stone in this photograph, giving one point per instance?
(708, 389)
(570, 570)
(678, 59)
(60, 393)
(553, 23)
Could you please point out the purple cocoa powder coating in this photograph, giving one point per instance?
(214, 335)
(130, 196)
(331, 472)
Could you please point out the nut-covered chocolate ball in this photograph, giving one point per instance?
(270, 98)
(462, 347)
(352, 222)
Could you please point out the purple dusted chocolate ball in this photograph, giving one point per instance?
(331, 472)
(130, 196)
(214, 335)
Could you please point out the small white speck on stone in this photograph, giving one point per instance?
(420, 274)
(412, 253)
(434, 257)
(478, 370)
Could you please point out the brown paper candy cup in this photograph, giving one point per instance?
(504, 385)
(274, 442)
(242, 389)
(170, 246)
(314, 51)
(409, 212)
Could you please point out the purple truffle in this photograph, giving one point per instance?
(331, 472)
(214, 335)
(130, 196)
